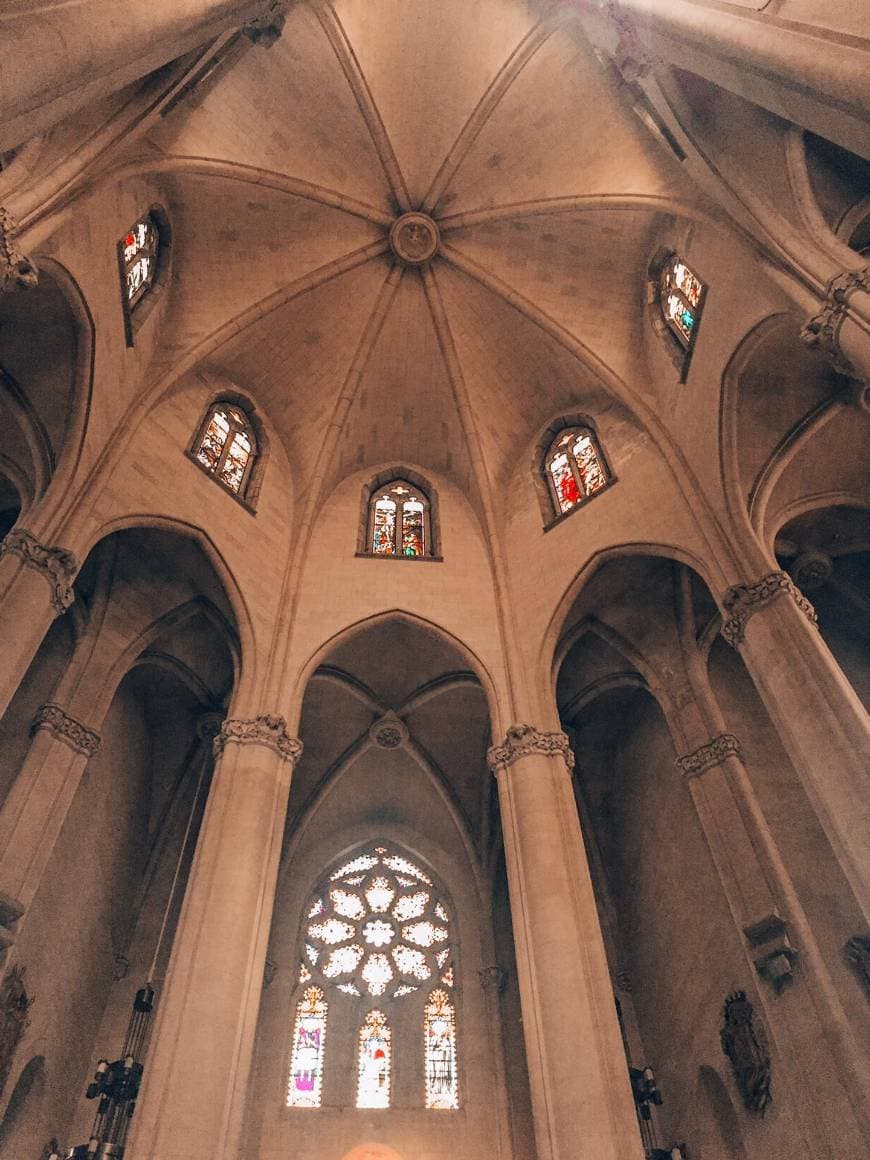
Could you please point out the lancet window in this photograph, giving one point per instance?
(376, 932)
(399, 521)
(575, 468)
(681, 295)
(306, 1065)
(138, 254)
(225, 446)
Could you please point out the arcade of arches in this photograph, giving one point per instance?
(435, 579)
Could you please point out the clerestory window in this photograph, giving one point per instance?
(225, 446)
(575, 468)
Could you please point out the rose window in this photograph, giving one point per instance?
(378, 928)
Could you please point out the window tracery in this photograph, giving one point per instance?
(138, 249)
(575, 468)
(376, 929)
(681, 294)
(399, 522)
(226, 447)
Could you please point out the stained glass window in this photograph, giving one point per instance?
(138, 249)
(681, 295)
(439, 1042)
(377, 930)
(574, 467)
(373, 1074)
(306, 1066)
(399, 521)
(226, 446)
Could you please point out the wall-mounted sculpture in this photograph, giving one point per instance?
(14, 1006)
(745, 1044)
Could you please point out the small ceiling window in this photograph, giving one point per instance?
(399, 522)
(681, 295)
(575, 468)
(139, 248)
(226, 447)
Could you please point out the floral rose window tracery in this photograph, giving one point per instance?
(378, 928)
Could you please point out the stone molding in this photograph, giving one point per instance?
(822, 331)
(16, 271)
(743, 600)
(56, 564)
(709, 755)
(525, 741)
(267, 729)
(66, 729)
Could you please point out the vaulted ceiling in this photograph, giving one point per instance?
(285, 171)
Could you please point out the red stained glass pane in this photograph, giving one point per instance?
(564, 482)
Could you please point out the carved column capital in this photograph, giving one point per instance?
(525, 740)
(743, 600)
(16, 271)
(709, 755)
(56, 564)
(266, 729)
(267, 29)
(822, 331)
(66, 729)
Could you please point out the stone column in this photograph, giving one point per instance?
(197, 1066)
(34, 812)
(581, 1099)
(821, 722)
(798, 71)
(57, 57)
(35, 587)
(817, 1048)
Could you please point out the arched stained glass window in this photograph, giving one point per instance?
(138, 250)
(574, 467)
(306, 1066)
(226, 447)
(681, 295)
(375, 1060)
(439, 1044)
(399, 522)
(378, 930)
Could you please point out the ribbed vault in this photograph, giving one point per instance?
(495, 119)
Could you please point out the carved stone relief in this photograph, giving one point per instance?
(16, 271)
(56, 564)
(857, 952)
(267, 729)
(823, 329)
(744, 600)
(709, 755)
(66, 729)
(524, 740)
